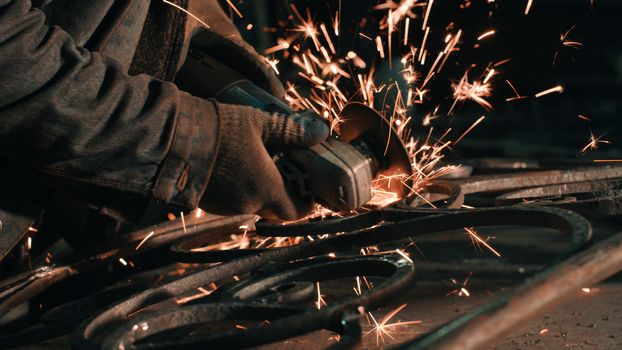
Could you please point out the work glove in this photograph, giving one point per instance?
(245, 178)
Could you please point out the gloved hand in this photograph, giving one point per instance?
(245, 178)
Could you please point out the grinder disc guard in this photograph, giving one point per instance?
(359, 120)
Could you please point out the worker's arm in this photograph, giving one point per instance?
(74, 114)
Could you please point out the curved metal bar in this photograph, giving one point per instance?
(569, 222)
(295, 321)
(63, 318)
(507, 182)
(593, 199)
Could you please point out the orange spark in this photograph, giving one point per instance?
(486, 34)
(144, 240)
(593, 143)
(529, 3)
(385, 328)
(477, 239)
(558, 89)
(186, 12)
(469, 129)
(235, 9)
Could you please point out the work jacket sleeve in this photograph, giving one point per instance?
(76, 115)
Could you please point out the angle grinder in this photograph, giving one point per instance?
(339, 172)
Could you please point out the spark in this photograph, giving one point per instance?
(570, 43)
(529, 3)
(327, 37)
(423, 41)
(461, 291)
(586, 290)
(544, 331)
(186, 12)
(470, 129)
(281, 45)
(427, 14)
(404, 255)
(122, 261)
(29, 243)
(486, 34)
(558, 89)
(379, 46)
(337, 20)
(478, 240)
(476, 91)
(144, 240)
(273, 63)
(593, 143)
(202, 293)
(607, 160)
(518, 96)
(235, 9)
(183, 222)
(587, 119)
(198, 213)
(385, 328)
(320, 299)
(490, 74)
(406, 31)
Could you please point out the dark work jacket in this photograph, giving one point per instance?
(78, 120)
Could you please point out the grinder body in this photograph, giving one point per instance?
(334, 173)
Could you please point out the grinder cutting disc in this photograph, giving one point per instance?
(357, 120)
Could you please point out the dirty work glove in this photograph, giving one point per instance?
(245, 178)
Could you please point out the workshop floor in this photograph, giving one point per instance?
(592, 320)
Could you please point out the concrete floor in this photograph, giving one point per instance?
(592, 320)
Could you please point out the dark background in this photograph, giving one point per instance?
(542, 128)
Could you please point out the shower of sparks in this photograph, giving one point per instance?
(477, 240)
(593, 143)
(558, 89)
(186, 12)
(384, 328)
(144, 240)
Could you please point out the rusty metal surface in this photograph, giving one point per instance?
(260, 283)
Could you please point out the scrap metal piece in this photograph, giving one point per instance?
(593, 199)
